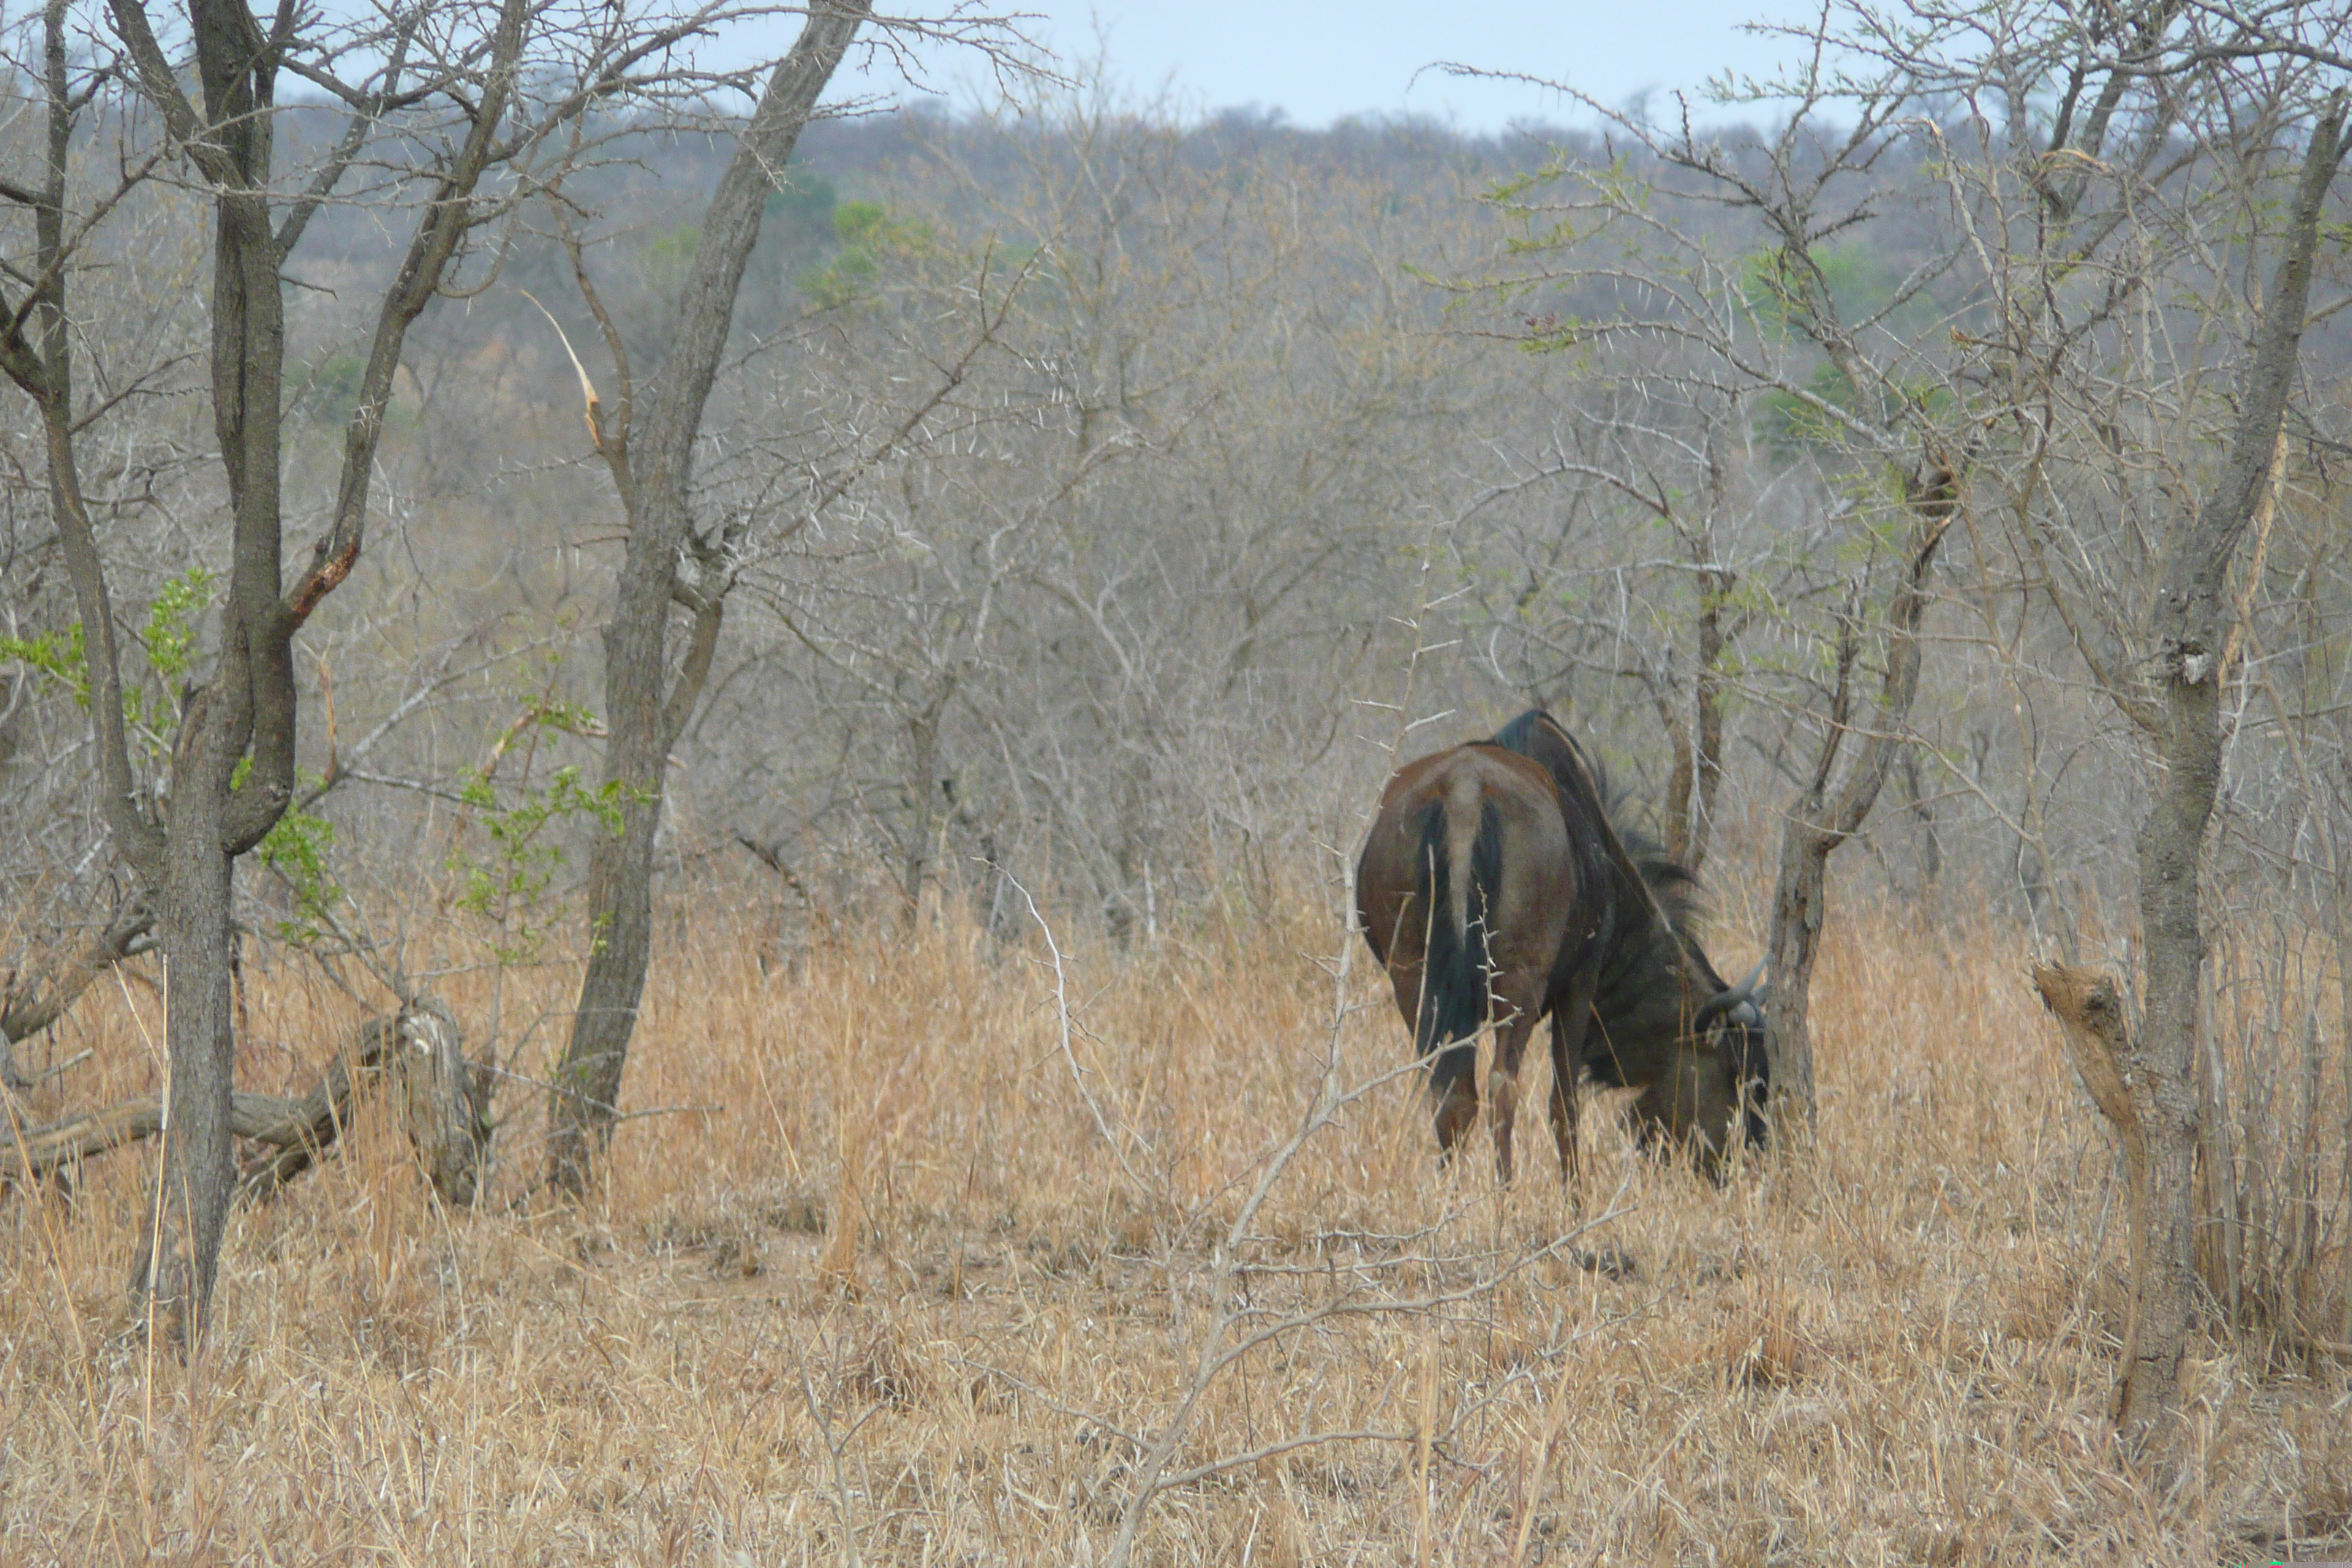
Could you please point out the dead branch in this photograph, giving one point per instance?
(31, 1004)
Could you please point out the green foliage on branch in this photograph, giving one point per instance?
(168, 637)
(297, 849)
(870, 236)
(507, 881)
(58, 657)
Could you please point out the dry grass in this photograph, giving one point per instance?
(894, 1300)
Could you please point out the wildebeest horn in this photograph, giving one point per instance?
(1730, 999)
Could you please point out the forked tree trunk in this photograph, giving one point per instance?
(246, 712)
(2192, 621)
(652, 456)
(1819, 822)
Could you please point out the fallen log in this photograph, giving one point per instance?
(441, 1097)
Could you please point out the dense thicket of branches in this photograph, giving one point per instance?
(1145, 552)
(1074, 472)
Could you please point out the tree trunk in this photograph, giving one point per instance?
(247, 711)
(1707, 701)
(2090, 1014)
(2192, 623)
(2341, 911)
(1800, 895)
(1820, 822)
(179, 1245)
(641, 719)
(1923, 811)
(2171, 842)
(1697, 778)
(1681, 778)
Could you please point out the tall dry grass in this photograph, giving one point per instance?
(880, 1282)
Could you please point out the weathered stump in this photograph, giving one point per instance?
(417, 1055)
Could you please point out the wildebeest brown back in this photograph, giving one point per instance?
(1466, 889)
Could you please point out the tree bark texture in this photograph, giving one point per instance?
(1707, 703)
(645, 709)
(2192, 621)
(1696, 779)
(179, 1245)
(1681, 776)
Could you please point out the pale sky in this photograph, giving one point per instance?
(1320, 60)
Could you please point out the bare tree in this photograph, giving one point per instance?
(652, 462)
(671, 562)
(1149, 536)
(1724, 264)
(2107, 179)
(1673, 487)
(2192, 624)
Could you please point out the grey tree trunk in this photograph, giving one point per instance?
(1820, 822)
(179, 1246)
(1923, 811)
(1696, 777)
(245, 712)
(2191, 623)
(923, 808)
(652, 455)
(1706, 699)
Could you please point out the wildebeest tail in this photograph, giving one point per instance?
(1459, 835)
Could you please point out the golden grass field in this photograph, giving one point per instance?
(885, 1293)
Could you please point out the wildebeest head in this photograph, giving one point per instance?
(1732, 1022)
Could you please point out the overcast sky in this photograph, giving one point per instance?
(1320, 60)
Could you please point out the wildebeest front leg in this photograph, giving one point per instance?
(1503, 1084)
(1569, 1021)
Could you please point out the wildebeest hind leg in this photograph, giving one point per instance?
(1569, 1020)
(1567, 1068)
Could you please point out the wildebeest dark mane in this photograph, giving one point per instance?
(1649, 978)
(1638, 993)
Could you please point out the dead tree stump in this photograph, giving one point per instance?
(442, 1101)
(417, 1056)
